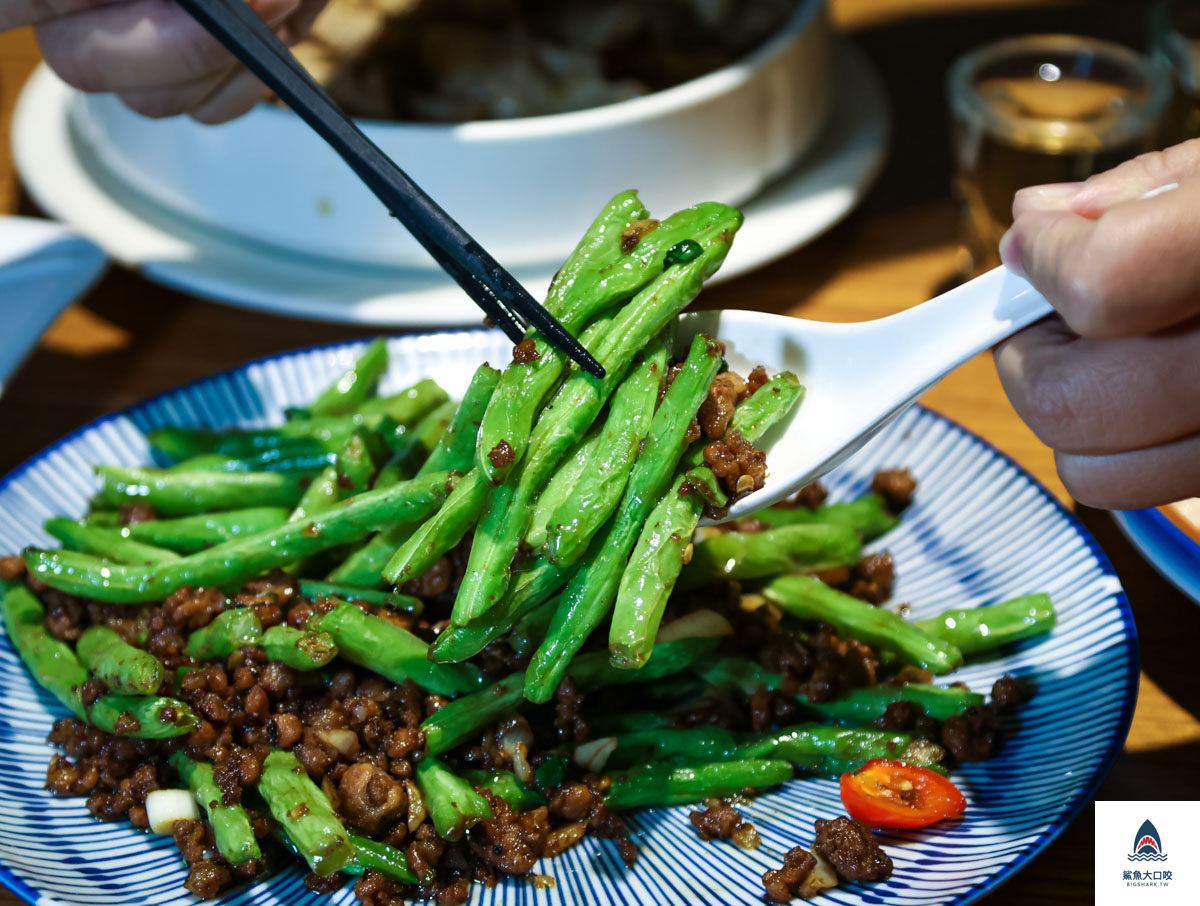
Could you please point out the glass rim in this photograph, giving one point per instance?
(968, 105)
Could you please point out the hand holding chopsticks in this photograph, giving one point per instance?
(502, 298)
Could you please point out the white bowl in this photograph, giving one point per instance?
(525, 188)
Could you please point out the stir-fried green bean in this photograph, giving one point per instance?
(117, 664)
(811, 599)
(352, 388)
(590, 593)
(102, 542)
(754, 555)
(980, 629)
(655, 564)
(304, 813)
(236, 561)
(230, 824)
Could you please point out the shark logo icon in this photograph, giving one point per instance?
(1147, 845)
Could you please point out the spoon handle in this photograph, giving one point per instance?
(967, 320)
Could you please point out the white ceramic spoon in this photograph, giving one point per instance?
(858, 377)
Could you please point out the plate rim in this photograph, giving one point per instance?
(1148, 530)
(988, 885)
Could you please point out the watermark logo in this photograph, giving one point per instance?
(1147, 845)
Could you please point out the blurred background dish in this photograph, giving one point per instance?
(64, 177)
(1169, 537)
(44, 267)
(523, 186)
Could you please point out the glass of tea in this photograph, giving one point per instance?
(1042, 109)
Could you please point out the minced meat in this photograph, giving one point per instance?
(851, 848)
(783, 884)
(896, 486)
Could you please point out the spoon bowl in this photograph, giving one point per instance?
(859, 377)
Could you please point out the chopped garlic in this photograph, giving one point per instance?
(165, 807)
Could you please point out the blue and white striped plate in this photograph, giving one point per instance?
(981, 530)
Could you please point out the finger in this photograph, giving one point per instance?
(1133, 270)
(1141, 478)
(18, 13)
(1092, 397)
(178, 99)
(138, 45)
(238, 96)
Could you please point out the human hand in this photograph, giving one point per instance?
(151, 53)
(1113, 382)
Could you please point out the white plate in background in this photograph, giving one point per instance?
(65, 182)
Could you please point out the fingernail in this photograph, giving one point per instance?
(1052, 196)
(1010, 253)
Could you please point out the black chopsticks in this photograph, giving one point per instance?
(505, 302)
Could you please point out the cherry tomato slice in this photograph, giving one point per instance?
(888, 793)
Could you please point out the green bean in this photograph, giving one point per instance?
(53, 664)
(406, 407)
(352, 389)
(415, 445)
(455, 451)
(867, 704)
(487, 574)
(187, 493)
(236, 561)
(564, 479)
(506, 786)
(279, 459)
(591, 500)
(432, 538)
(754, 555)
(979, 629)
(318, 498)
(578, 401)
(392, 651)
(116, 663)
(297, 648)
(614, 723)
(758, 413)
(142, 716)
(608, 278)
(227, 632)
(108, 543)
(106, 519)
(189, 534)
(654, 785)
(868, 516)
(469, 715)
(452, 803)
(311, 437)
(592, 589)
(230, 824)
(592, 670)
(57, 670)
(371, 855)
(307, 436)
(832, 751)
(313, 589)
(809, 598)
(530, 628)
(355, 467)
(655, 565)
(740, 673)
(304, 813)
(530, 589)
(693, 744)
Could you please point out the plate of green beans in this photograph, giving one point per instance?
(437, 618)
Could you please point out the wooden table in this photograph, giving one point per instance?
(130, 338)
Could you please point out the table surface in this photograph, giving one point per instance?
(130, 338)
